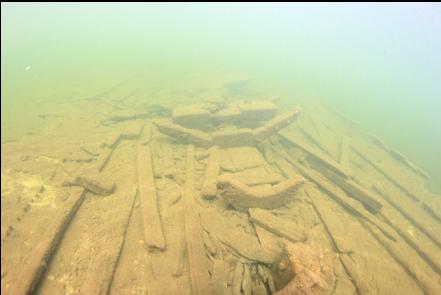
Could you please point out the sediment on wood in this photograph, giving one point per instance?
(242, 196)
(152, 224)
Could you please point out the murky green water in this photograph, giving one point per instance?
(379, 64)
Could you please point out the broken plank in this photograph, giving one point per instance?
(209, 187)
(276, 225)
(243, 243)
(184, 135)
(242, 196)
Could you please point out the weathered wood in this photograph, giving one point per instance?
(244, 244)
(364, 196)
(268, 152)
(103, 159)
(197, 260)
(219, 278)
(245, 157)
(276, 225)
(93, 183)
(101, 270)
(416, 215)
(400, 158)
(340, 196)
(274, 125)
(359, 263)
(242, 196)
(112, 140)
(152, 224)
(234, 137)
(267, 278)
(429, 203)
(33, 266)
(317, 156)
(180, 264)
(88, 258)
(209, 187)
(184, 135)
(246, 281)
(237, 279)
(256, 176)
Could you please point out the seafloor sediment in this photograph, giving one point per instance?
(121, 195)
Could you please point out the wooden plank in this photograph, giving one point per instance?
(316, 155)
(209, 187)
(197, 260)
(242, 196)
(354, 190)
(152, 224)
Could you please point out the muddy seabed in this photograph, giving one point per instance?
(125, 194)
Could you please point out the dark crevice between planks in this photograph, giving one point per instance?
(129, 220)
(46, 259)
(414, 246)
(408, 194)
(395, 257)
(405, 215)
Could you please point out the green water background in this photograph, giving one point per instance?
(379, 64)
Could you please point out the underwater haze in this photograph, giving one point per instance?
(379, 64)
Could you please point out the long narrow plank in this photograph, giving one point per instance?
(198, 265)
(153, 232)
